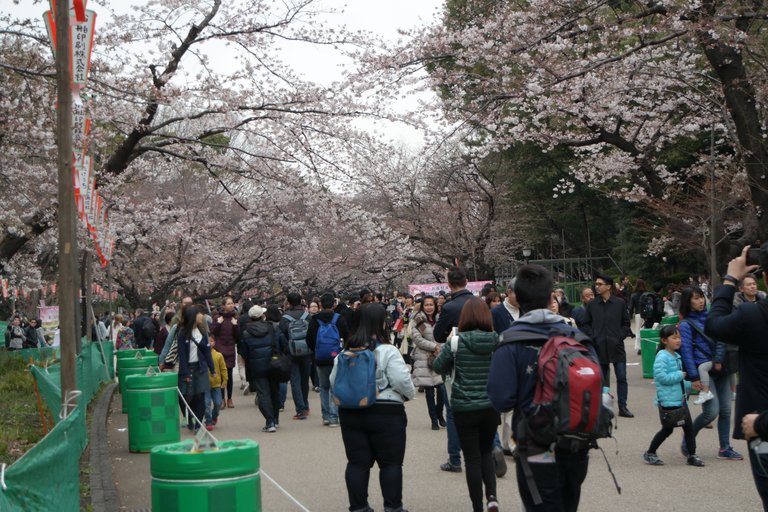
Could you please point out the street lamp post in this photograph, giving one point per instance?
(526, 254)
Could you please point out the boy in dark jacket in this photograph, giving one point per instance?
(511, 386)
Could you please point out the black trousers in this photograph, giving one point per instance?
(665, 432)
(375, 434)
(477, 430)
(268, 399)
(559, 484)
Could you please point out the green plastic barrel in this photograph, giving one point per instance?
(648, 352)
(226, 478)
(131, 352)
(670, 320)
(649, 333)
(153, 410)
(136, 365)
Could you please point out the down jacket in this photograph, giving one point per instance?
(703, 352)
(473, 362)
(668, 376)
(258, 341)
(424, 346)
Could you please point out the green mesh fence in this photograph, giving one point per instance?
(47, 477)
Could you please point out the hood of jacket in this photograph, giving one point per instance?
(259, 329)
(479, 342)
(540, 316)
(538, 325)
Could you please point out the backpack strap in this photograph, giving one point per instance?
(702, 334)
(305, 316)
(334, 319)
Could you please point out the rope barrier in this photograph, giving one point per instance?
(280, 488)
(69, 403)
(203, 433)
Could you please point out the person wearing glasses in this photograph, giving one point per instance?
(606, 321)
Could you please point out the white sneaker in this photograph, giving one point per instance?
(704, 396)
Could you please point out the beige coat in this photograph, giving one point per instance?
(424, 346)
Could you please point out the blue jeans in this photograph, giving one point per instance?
(759, 475)
(327, 405)
(454, 447)
(283, 394)
(622, 388)
(213, 399)
(719, 407)
(300, 382)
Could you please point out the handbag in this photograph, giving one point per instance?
(671, 418)
(398, 325)
(280, 364)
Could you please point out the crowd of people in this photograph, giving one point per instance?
(475, 359)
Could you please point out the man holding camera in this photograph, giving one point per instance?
(746, 327)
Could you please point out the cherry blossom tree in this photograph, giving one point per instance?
(622, 83)
(218, 162)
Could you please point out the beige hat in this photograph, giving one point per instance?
(256, 312)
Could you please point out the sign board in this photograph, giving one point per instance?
(435, 288)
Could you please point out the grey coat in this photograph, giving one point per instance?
(424, 346)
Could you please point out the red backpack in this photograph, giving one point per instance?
(570, 384)
(567, 409)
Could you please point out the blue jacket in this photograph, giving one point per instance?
(703, 352)
(512, 376)
(449, 315)
(668, 377)
(745, 326)
(203, 355)
(502, 318)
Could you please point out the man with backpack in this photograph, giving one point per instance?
(651, 306)
(547, 478)
(294, 324)
(325, 333)
(144, 330)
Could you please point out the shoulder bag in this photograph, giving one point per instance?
(280, 365)
(671, 418)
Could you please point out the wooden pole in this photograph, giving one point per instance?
(66, 213)
(86, 281)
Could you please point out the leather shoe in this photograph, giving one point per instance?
(625, 413)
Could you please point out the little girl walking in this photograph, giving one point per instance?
(671, 395)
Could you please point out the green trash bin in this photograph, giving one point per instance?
(131, 352)
(153, 410)
(648, 351)
(136, 365)
(224, 478)
(670, 320)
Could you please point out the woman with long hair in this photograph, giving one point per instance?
(376, 433)
(476, 419)
(703, 360)
(425, 351)
(195, 362)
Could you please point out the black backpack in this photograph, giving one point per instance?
(651, 306)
